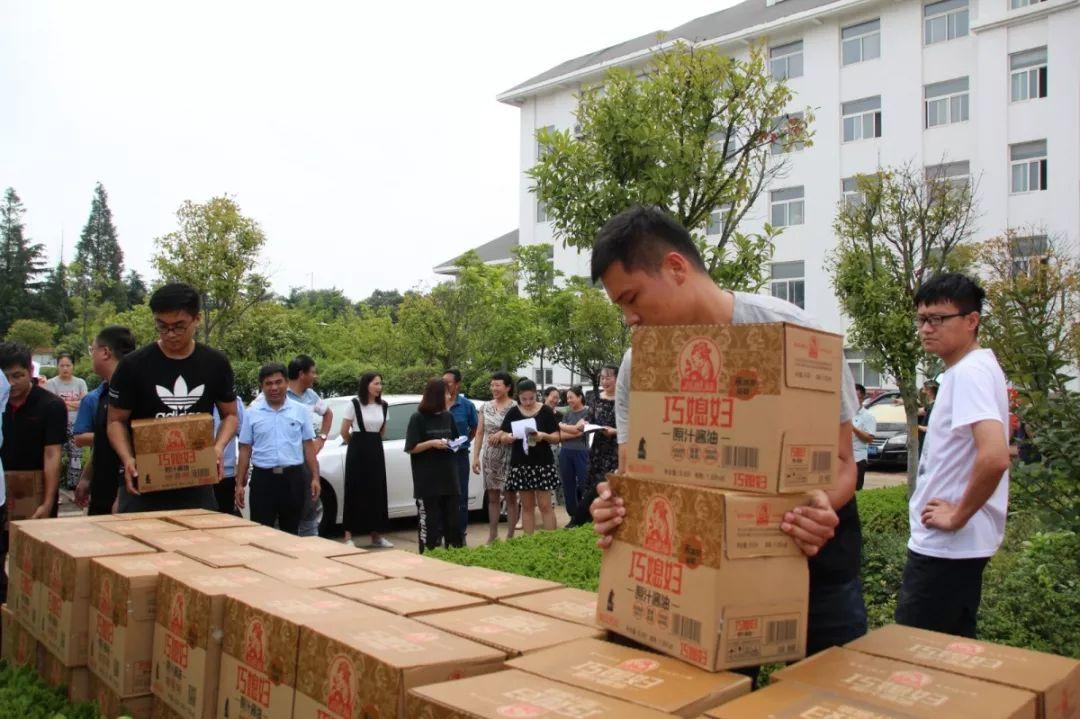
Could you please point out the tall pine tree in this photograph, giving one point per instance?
(21, 263)
(98, 255)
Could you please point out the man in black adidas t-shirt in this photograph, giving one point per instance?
(173, 376)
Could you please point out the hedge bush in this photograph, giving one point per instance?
(23, 694)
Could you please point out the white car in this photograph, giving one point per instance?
(399, 485)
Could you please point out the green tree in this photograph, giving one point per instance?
(905, 227)
(590, 331)
(98, 256)
(323, 304)
(536, 276)
(21, 262)
(379, 299)
(215, 249)
(135, 290)
(694, 134)
(54, 298)
(269, 332)
(35, 334)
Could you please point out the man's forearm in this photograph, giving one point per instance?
(120, 441)
(52, 472)
(327, 422)
(985, 477)
(226, 432)
(312, 461)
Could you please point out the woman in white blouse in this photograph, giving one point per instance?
(362, 429)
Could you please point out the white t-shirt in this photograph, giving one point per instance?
(971, 391)
(864, 422)
(372, 414)
(74, 388)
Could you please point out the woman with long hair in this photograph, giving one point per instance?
(434, 471)
(574, 455)
(604, 452)
(533, 475)
(71, 389)
(362, 429)
(496, 456)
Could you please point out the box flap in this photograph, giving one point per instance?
(812, 359)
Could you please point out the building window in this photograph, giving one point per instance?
(861, 42)
(787, 206)
(946, 102)
(716, 223)
(862, 118)
(791, 123)
(541, 211)
(1028, 254)
(541, 147)
(1027, 79)
(1017, 4)
(945, 20)
(789, 282)
(1027, 162)
(862, 372)
(786, 61)
(849, 187)
(957, 173)
(543, 377)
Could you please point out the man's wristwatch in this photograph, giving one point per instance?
(321, 436)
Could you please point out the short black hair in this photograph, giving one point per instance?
(64, 355)
(526, 385)
(551, 388)
(613, 367)
(175, 297)
(453, 372)
(576, 389)
(15, 354)
(639, 238)
(860, 388)
(270, 369)
(961, 290)
(300, 364)
(506, 379)
(118, 339)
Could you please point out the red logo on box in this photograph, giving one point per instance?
(969, 648)
(914, 679)
(813, 347)
(255, 645)
(174, 440)
(659, 525)
(176, 614)
(699, 366)
(340, 697)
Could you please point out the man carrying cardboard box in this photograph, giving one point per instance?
(957, 512)
(172, 377)
(652, 269)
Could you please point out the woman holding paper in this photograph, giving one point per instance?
(362, 429)
(428, 440)
(574, 455)
(531, 429)
(604, 452)
(496, 455)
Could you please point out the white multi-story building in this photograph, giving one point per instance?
(988, 89)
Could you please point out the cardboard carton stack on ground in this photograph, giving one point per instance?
(396, 563)
(730, 426)
(26, 541)
(211, 520)
(54, 673)
(1054, 680)
(123, 604)
(175, 541)
(566, 603)
(406, 597)
(308, 573)
(189, 629)
(635, 675)
(131, 527)
(913, 691)
(20, 646)
(245, 534)
(214, 552)
(795, 699)
(510, 630)
(306, 547)
(113, 706)
(362, 665)
(490, 584)
(174, 452)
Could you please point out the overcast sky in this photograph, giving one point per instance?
(365, 138)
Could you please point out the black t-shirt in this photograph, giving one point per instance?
(840, 559)
(40, 421)
(151, 385)
(434, 472)
(540, 454)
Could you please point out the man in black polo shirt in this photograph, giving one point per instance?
(175, 375)
(35, 425)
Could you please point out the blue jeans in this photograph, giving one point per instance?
(462, 459)
(837, 615)
(574, 470)
(312, 514)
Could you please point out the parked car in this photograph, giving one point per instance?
(890, 437)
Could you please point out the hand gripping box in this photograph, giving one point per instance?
(515, 693)
(175, 452)
(362, 666)
(309, 573)
(262, 639)
(19, 647)
(794, 700)
(113, 706)
(123, 603)
(634, 675)
(396, 563)
(513, 631)
(705, 576)
(64, 598)
(566, 603)
(751, 408)
(405, 597)
(306, 547)
(1055, 680)
(914, 691)
(490, 584)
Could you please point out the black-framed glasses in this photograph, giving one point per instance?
(936, 320)
(177, 328)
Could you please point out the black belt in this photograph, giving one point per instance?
(279, 470)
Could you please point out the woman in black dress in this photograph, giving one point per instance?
(362, 429)
(604, 452)
(533, 476)
(434, 469)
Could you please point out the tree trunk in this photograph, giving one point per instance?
(911, 409)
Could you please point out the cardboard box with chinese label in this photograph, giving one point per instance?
(131, 527)
(514, 693)
(188, 632)
(54, 673)
(396, 563)
(64, 597)
(705, 576)
(262, 639)
(212, 520)
(19, 646)
(490, 584)
(157, 514)
(750, 408)
(635, 675)
(123, 603)
(1055, 680)
(25, 493)
(174, 452)
(218, 553)
(406, 597)
(245, 534)
(308, 573)
(511, 630)
(113, 706)
(567, 603)
(800, 701)
(363, 666)
(305, 547)
(919, 692)
(175, 541)
(26, 539)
